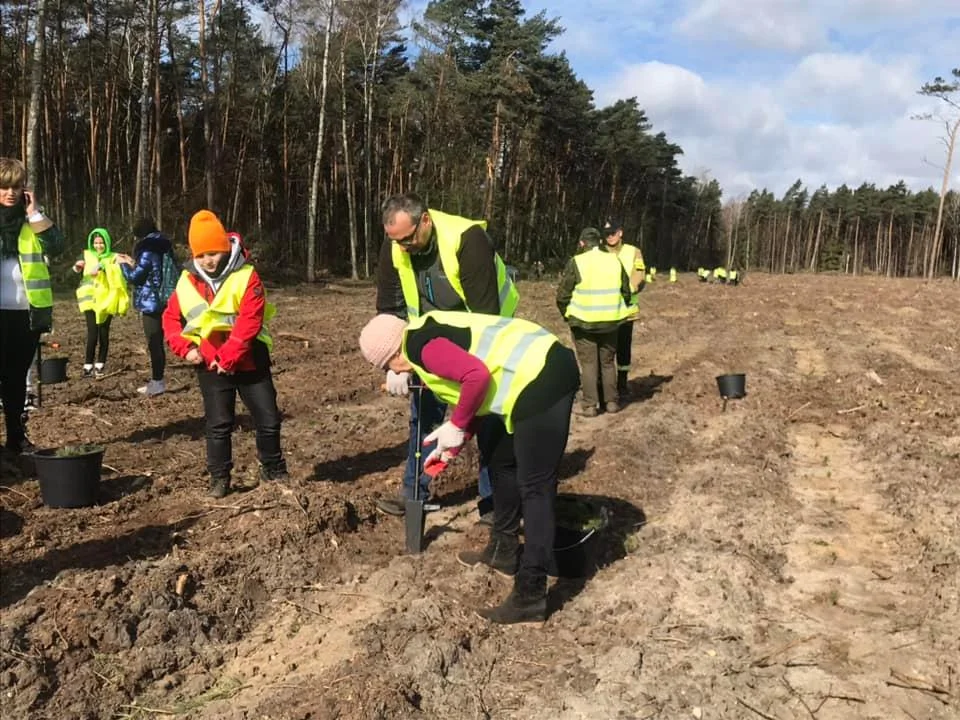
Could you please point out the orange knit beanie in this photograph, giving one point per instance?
(207, 234)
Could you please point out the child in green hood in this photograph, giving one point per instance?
(101, 295)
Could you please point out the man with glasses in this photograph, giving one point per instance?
(432, 260)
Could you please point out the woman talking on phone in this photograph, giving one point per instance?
(26, 296)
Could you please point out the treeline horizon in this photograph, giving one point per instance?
(294, 130)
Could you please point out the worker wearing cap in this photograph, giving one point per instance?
(632, 260)
(594, 298)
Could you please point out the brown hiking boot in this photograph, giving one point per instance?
(526, 603)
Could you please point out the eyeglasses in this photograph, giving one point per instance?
(407, 240)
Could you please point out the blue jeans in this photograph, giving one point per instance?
(431, 411)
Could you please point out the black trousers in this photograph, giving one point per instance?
(18, 345)
(523, 468)
(153, 331)
(624, 341)
(96, 335)
(220, 404)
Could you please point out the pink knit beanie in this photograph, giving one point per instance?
(380, 339)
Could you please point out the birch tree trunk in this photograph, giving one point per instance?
(36, 88)
(348, 181)
(938, 230)
(143, 163)
(314, 203)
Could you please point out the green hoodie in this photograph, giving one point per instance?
(102, 232)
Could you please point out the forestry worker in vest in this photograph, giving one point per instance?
(632, 260)
(26, 296)
(216, 319)
(436, 261)
(519, 381)
(594, 298)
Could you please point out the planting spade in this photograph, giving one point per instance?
(414, 512)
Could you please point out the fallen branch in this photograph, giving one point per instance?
(926, 691)
(764, 661)
(805, 405)
(111, 468)
(111, 374)
(144, 708)
(298, 606)
(751, 708)
(16, 492)
(919, 682)
(851, 410)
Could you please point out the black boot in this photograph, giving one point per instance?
(274, 473)
(622, 389)
(526, 603)
(219, 486)
(502, 553)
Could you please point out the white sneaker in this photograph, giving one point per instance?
(153, 387)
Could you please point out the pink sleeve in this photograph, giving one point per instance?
(451, 362)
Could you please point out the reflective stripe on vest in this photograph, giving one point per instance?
(513, 350)
(449, 230)
(597, 297)
(202, 318)
(36, 275)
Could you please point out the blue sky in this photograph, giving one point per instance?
(762, 92)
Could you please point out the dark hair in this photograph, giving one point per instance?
(410, 203)
(143, 227)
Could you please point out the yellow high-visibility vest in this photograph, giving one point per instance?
(449, 230)
(36, 275)
(597, 297)
(202, 318)
(720, 273)
(673, 275)
(513, 350)
(87, 281)
(632, 260)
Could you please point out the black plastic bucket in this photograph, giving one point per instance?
(53, 370)
(732, 387)
(575, 548)
(69, 481)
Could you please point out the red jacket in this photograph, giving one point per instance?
(233, 351)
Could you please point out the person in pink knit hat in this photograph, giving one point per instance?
(520, 379)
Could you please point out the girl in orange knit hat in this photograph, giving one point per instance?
(216, 319)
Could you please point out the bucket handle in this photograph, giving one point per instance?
(605, 519)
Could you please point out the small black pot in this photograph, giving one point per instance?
(53, 370)
(69, 481)
(575, 549)
(732, 387)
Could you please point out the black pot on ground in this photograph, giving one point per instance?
(53, 370)
(69, 476)
(579, 524)
(732, 387)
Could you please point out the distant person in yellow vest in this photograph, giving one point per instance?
(432, 260)
(216, 319)
(101, 295)
(720, 275)
(517, 380)
(26, 295)
(632, 260)
(594, 298)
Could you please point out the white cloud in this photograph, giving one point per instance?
(772, 24)
(797, 26)
(751, 135)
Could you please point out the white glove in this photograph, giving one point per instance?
(398, 383)
(448, 438)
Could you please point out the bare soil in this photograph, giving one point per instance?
(795, 554)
